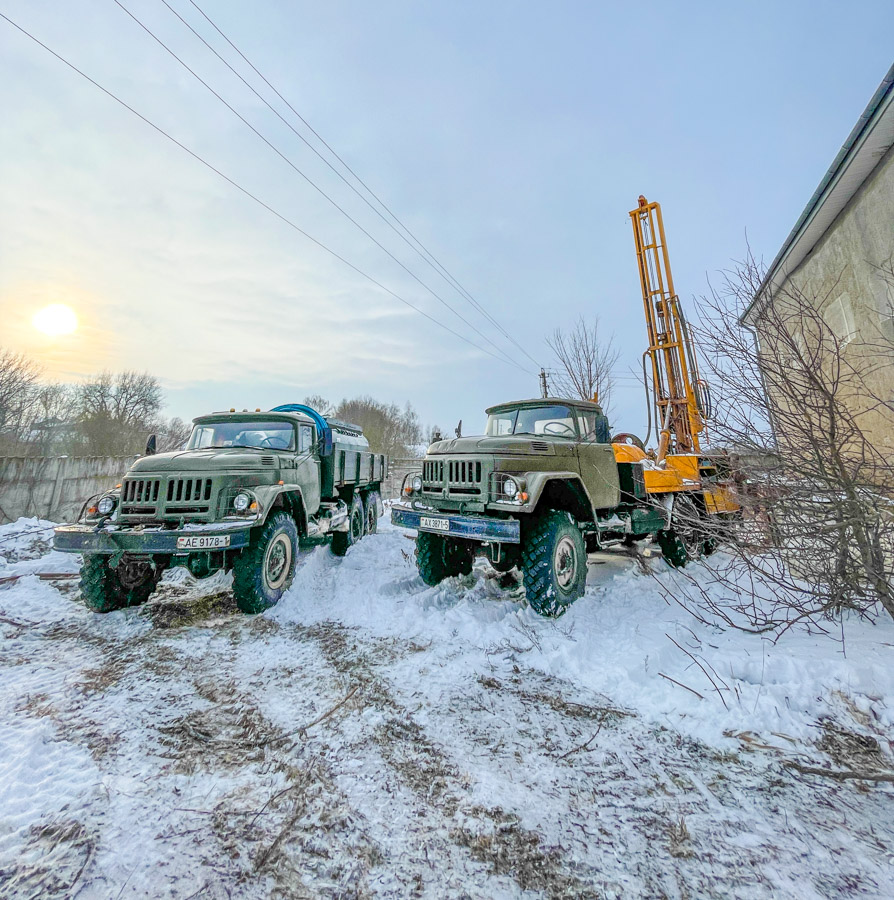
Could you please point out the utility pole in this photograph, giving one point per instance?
(544, 390)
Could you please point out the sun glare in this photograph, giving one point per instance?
(55, 319)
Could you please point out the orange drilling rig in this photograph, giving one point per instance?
(680, 399)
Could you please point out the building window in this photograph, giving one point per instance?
(839, 316)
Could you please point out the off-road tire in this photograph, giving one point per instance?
(102, 589)
(686, 539)
(264, 570)
(439, 557)
(672, 548)
(342, 541)
(554, 563)
(371, 511)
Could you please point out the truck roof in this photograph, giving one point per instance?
(251, 414)
(547, 401)
(266, 415)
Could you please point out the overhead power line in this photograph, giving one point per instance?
(313, 184)
(403, 232)
(249, 194)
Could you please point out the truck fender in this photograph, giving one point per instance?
(286, 497)
(559, 490)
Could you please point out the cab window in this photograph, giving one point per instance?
(551, 420)
(253, 433)
(499, 424)
(593, 427)
(305, 437)
(556, 421)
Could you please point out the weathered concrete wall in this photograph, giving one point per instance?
(55, 488)
(849, 261)
(398, 469)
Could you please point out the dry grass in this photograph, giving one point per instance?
(54, 860)
(508, 849)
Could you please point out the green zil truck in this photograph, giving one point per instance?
(246, 492)
(543, 486)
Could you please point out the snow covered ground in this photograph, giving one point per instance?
(372, 737)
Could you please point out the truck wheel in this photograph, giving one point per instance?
(264, 570)
(554, 560)
(371, 511)
(685, 539)
(439, 557)
(672, 548)
(105, 588)
(342, 541)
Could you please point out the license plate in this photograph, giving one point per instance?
(203, 542)
(436, 524)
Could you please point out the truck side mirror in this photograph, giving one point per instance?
(152, 445)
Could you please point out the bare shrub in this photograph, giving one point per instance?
(803, 410)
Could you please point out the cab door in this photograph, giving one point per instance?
(596, 463)
(307, 464)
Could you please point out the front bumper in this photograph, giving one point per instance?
(86, 539)
(473, 528)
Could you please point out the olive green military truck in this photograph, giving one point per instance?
(245, 493)
(545, 484)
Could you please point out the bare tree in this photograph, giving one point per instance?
(173, 435)
(18, 385)
(586, 362)
(320, 404)
(803, 413)
(116, 412)
(53, 414)
(388, 428)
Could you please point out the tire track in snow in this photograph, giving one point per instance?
(490, 835)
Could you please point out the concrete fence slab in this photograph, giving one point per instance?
(55, 488)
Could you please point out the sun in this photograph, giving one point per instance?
(55, 319)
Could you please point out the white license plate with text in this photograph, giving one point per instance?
(203, 542)
(436, 524)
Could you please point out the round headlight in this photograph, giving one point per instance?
(510, 487)
(240, 502)
(417, 483)
(105, 505)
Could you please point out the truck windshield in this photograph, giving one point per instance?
(557, 421)
(247, 433)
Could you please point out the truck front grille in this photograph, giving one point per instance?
(140, 490)
(459, 476)
(182, 490)
(153, 499)
(432, 472)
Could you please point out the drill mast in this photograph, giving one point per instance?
(676, 387)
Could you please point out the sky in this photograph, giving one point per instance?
(510, 138)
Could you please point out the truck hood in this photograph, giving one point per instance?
(219, 459)
(516, 445)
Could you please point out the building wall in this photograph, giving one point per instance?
(844, 269)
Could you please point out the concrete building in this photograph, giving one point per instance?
(840, 257)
